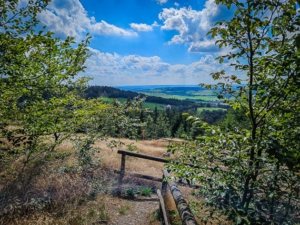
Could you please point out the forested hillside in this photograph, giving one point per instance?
(111, 92)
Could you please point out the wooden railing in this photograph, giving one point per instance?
(185, 213)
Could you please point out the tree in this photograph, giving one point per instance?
(162, 125)
(41, 104)
(233, 119)
(180, 131)
(251, 175)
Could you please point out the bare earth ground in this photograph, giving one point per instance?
(104, 207)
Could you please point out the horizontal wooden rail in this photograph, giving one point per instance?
(153, 158)
(137, 175)
(183, 208)
(185, 213)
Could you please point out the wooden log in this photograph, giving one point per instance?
(122, 173)
(153, 158)
(164, 183)
(137, 175)
(183, 208)
(163, 208)
(123, 163)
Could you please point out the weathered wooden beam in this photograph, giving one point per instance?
(137, 175)
(164, 183)
(183, 208)
(123, 161)
(138, 155)
(163, 208)
(153, 158)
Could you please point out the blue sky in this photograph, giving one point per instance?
(143, 42)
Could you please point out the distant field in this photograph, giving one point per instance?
(149, 105)
(185, 97)
(199, 110)
(191, 94)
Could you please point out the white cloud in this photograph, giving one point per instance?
(207, 45)
(193, 25)
(69, 18)
(141, 27)
(115, 69)
(104, 28)
(133, 59)
(155, 24)
(179, 68)
(162, 1)
(176, 4)
(160, 67)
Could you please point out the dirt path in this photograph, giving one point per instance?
(132, 212)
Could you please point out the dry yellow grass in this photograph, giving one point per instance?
(135, 165)
(71, 192)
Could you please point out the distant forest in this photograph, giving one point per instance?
(111, 92)
(181, 105)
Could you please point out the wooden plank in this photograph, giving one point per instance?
(183, 208)
(153, 158)
(123, 163)
(138, 155)
(142, 176)
(164, 183)
(163, 208)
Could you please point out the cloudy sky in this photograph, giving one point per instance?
(143, 42)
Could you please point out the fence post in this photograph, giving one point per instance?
(163, 208)
(183, 208)
(123, 163)
(164, 186)
(122, 172)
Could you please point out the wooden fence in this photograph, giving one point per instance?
(185, 213)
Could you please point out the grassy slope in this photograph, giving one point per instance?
(207, 95)
(149, 105)
(199, 110)
(80, 202)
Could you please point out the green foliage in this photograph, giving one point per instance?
(180, 131)
(158, 126)
(41, 103)
(103, 215)
(145, 191)
(131, 147)
(154, 216)
(123, 209)
(250, 170)
(125, 119)
(39, 96)
(132, 193)
(235, 119)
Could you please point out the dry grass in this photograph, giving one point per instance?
(85, 198)
(135, 165)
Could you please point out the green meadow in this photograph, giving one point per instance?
(199, 110)
(180, 94)
(149, 105)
